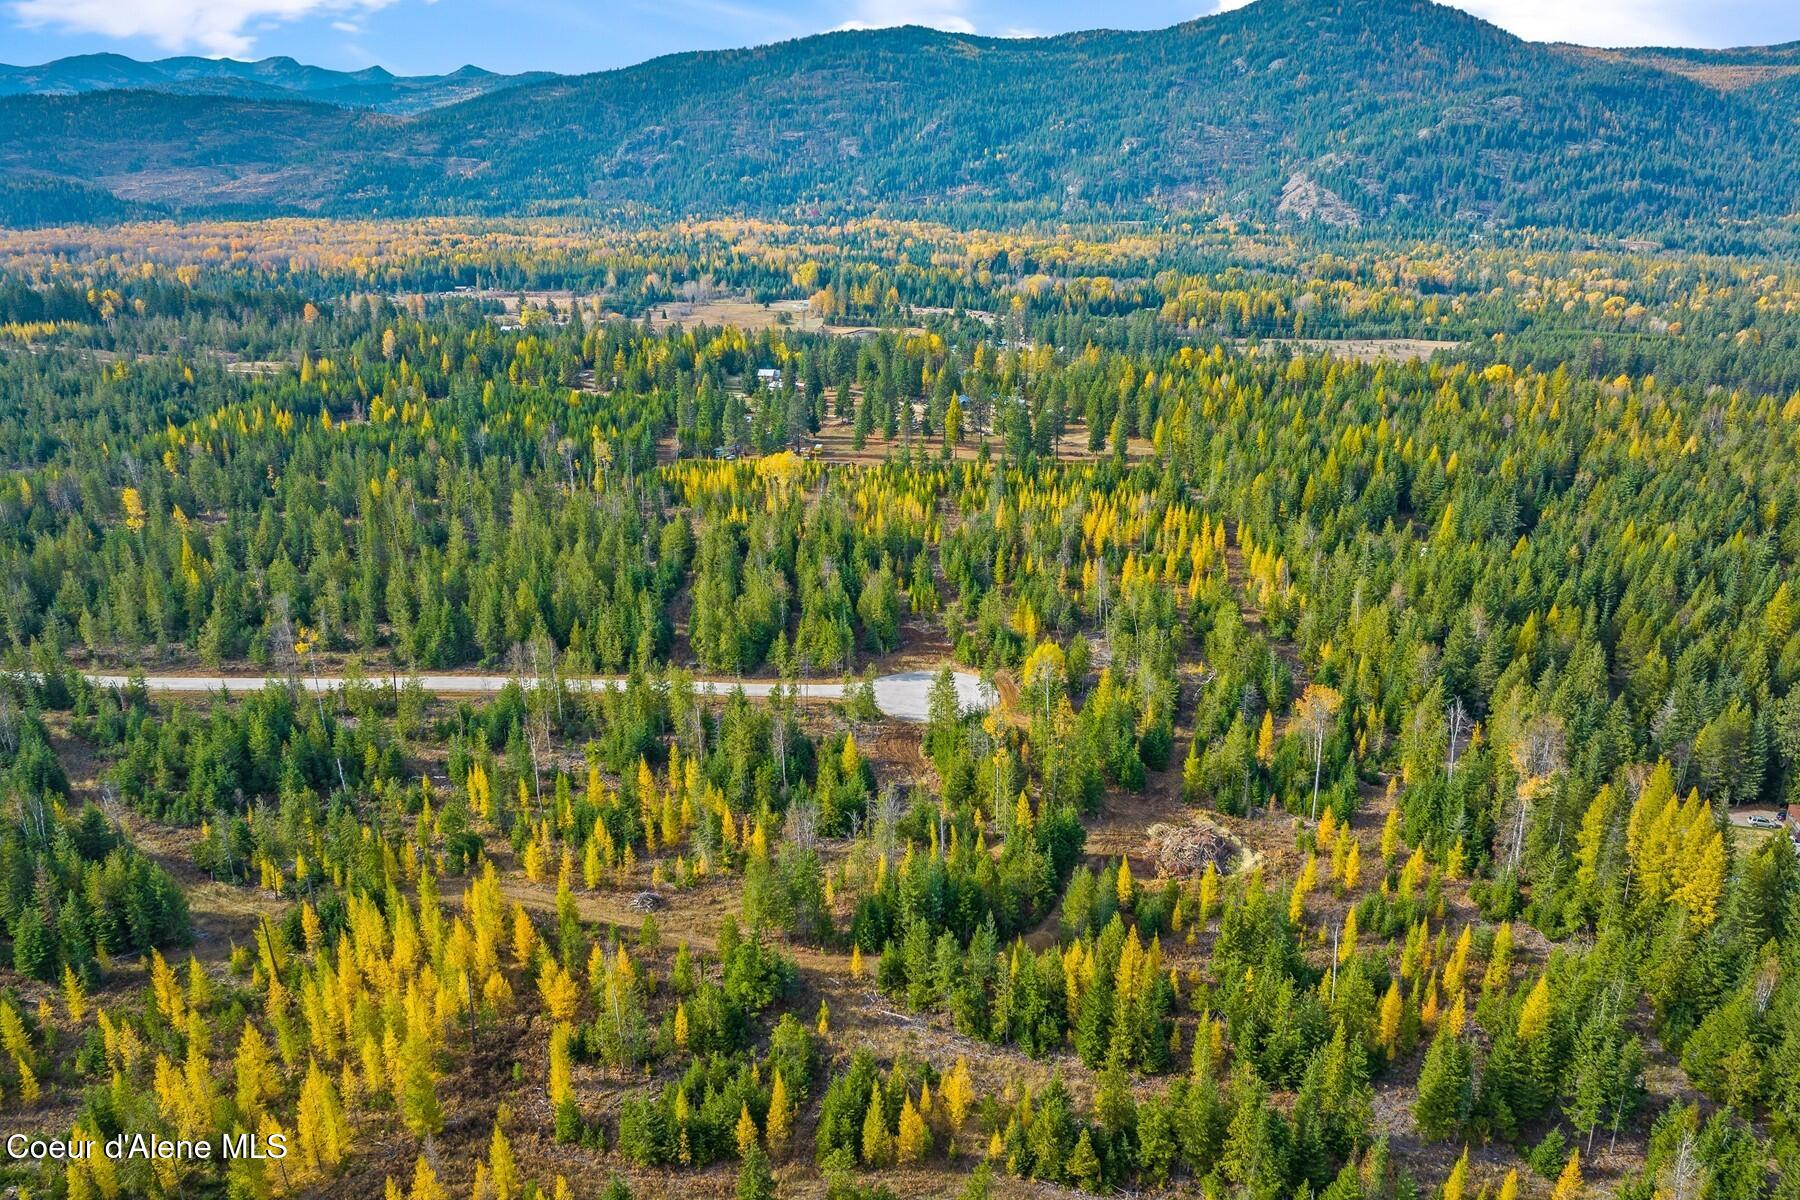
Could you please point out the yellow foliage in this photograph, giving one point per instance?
(1569, 1184)
(1534, 1017)
(913, 1141)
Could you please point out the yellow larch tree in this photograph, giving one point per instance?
(524, 936)
(559, 991)
(255, 1074)
(779, 1127)
(1534, 1016)
(1569, 1184)
(1458, 1180)
(503, 1175)
(1393, 1010)
(320, 1125)
(561, 1087)
(913, 1141)
(75, 998)
(877, 1142)
(745, 1134)
(1265, 739)
(1346, 948)
(425, 1185)
(958, 1094)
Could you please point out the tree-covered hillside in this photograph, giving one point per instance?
(1391, 112)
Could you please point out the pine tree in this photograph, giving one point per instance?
(34, 949)
(1446, 1086)
(1084, 1165)
(754, 1181)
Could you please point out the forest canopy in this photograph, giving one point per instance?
(1355, 710)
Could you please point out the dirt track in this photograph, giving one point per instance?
(905, 696)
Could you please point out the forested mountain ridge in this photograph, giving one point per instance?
(1391, 112)
(266, 79)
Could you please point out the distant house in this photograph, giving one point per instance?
(770, 377)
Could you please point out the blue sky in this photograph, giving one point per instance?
(421, 36)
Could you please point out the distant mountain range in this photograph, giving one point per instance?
(1392, 113)
(265, 79)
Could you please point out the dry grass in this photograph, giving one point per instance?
(1363, 350)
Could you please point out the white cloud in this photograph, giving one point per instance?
(1594, 22)
(1591, 22)
(214, 26)
(949, 15)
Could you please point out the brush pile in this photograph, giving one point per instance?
(1183, 851)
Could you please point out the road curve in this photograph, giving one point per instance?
(904, 697)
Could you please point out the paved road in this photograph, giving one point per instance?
(905, 697)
